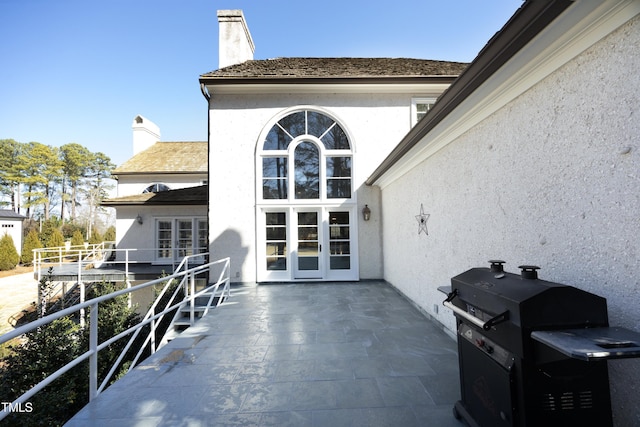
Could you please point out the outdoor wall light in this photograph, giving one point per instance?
(139, 219)
(366, 213)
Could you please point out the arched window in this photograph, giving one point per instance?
(306, 155)
(156, 188)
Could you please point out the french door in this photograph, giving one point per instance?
(177, 238)
(307, 256)
(307, 243)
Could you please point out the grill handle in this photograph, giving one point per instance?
(484, 325)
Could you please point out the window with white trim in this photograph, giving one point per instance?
(419, 108)
(306, 156)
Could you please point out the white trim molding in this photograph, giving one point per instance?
(581, 26)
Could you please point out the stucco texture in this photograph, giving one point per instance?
(236, 122)
(552, 180)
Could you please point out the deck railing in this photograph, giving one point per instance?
(187, 275)
(93, 256)
(59, 255)
(81, 261)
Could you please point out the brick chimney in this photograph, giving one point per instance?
(145, 134)
(235, 42)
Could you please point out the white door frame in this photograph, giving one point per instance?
(174, 251)
(286, 269)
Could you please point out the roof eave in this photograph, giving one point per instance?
(116, 173)
(288, 80)
(118, 203)
(531, 18)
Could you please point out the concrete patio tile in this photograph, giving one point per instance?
(320, 355)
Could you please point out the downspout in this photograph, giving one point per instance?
(206, 95)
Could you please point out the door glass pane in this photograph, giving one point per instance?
(185, 238)
(307, 171)
(203, 236)
(308, 243)
(276, 244)
(164, 239)
(339, 241)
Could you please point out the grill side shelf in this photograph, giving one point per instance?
(592, 344)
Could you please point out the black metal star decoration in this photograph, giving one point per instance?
(422, 221)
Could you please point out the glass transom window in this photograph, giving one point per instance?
(306, 155)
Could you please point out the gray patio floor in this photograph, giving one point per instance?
(325, 354)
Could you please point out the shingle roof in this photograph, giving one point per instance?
(338, 67)
(181, 196)
(9, 214)
(168, 157)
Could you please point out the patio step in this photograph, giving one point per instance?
(182, 318)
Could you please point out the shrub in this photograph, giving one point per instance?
(46, 230)
(47, 348)
(9, 257)
(44, 351)
(110, 234)
(95, 237)
(31, 242)
(56, 239)
(77, 239)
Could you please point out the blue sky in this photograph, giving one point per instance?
(80, 71)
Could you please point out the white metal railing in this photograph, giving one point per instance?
(79, 261)
(81, 257)
(187, 285)
(186, 276)
(59, 255)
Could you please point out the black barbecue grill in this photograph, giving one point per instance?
(532, 352)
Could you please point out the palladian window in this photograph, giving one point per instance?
(306, 156)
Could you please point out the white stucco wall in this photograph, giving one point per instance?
(130, 234)
(375, 124)
(12, 227)
(552, 179)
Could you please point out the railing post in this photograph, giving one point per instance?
(82, 289)
(126, 263)
(36, 264)
(192, 314)
(152, 336)
(93, 347)
(82, 298)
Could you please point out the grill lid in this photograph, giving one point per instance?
(489, 296)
